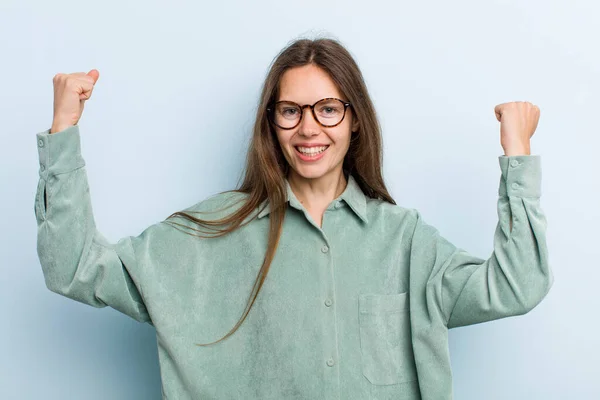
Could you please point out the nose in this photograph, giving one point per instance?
(308, 125)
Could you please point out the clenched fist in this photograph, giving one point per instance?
(70, 93)
(518, 121)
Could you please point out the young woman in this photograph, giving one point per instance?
(308, 281)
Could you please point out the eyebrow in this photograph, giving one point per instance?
(312, 104)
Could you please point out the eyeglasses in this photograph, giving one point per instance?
(328, 112)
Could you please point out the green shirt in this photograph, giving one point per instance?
(356, 309)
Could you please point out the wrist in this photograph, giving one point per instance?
(524, 150)
(59, 126)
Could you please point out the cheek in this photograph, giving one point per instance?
(345, 131)
(282, 137)
(341, 137)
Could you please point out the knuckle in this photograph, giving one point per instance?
(70, 80)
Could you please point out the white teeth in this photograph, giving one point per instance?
(312, 150)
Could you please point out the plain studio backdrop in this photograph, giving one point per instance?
(168, 125)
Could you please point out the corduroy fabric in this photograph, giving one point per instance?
(356, 309)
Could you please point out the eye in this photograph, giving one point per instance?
(330, 110)
(290, 111)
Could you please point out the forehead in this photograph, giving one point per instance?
(306, 85)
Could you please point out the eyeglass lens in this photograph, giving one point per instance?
(328, 112)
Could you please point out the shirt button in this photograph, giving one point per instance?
(514, 163)
(515, 185)
(338, 204)
(328, 302)
(40, 143)
(42, 167)
(324, 249)
(330, 362)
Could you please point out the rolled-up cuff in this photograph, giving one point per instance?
(59, 152)
(521, 176)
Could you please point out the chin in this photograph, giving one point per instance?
(312, 172)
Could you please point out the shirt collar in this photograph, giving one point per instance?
(352, 195)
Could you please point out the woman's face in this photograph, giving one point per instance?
(307, 85)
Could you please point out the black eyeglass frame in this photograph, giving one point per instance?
(271, 112)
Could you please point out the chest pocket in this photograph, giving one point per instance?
(385, 339)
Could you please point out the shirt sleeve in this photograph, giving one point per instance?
(464, 289)
(76, 260)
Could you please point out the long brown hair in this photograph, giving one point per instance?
(266, 168)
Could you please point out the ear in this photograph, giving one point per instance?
(355, 124)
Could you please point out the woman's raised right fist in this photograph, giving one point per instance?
(70, 93)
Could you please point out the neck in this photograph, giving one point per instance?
(317, 193)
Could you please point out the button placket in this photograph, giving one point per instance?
(327, 314)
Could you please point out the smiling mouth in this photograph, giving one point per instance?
(313, 150)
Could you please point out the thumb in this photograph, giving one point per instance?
(498, 111)
(94, 74)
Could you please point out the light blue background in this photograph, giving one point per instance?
(169, 122)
